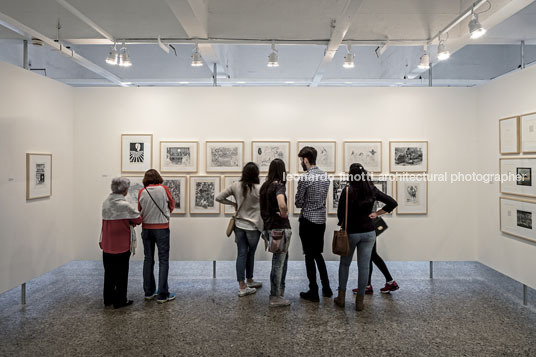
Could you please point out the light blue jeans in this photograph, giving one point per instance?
(279, 267)
(364, 242)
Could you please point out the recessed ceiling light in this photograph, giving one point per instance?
(184, 82)
(349, 58)
(290, 82)
(241, 82)
(197, 60)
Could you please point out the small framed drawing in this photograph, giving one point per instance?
(408, 156)
(412, 195)
(528, 133)
(38, 175)
(517, 218)
(336, 188)
(136, 153)
(177, 187)
(228, 181)
(519, 181)
(178, 156)
(295, 210)
(203, 190)
(367, 153)
(224, 156)
(263, 152)
(136, 184)
(385, 186)
(509, 135)
(326, 158)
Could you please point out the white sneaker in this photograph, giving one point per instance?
(276, 301)
(255, 284)
(246, 291)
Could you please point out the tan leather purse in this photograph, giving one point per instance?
(232, 222)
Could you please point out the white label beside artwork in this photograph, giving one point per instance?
(517, 218)
(528, 133)
(38, 175)
(136, 153)
(509, 138)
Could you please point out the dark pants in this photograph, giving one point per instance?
(160, 237)
(312, 238)
(115, 278)
(376, 259)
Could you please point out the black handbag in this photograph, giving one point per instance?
(379, 225)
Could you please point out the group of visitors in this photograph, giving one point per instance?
(261, 210)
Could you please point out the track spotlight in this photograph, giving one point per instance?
(197, 60)
(113, 56)
(349, 58)
(443, 53)
(475, 28)
(124, 59)
(425, 61)
(273, 58)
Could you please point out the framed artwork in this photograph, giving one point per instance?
(263, 152)
(224, 156)
(528, 133)
(408, 156)
(517, 218)
(326, 158)
(136, 184)
(509, 135)
(386, 186)
(38, 175)
(412, 195)
(292, 196)
(136, 153)
(336, 188)
(177, 187)
(367, 153)
(203, 190)
(522, 185)
(228, 181)
(178, 156)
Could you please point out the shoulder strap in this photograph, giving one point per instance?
(346, 212)
(157, 206)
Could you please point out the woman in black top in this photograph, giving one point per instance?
(361, 234)
(274, 213)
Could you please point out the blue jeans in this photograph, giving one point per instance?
(279, 267)
(364, 242)
(160, 237)
(246, 242)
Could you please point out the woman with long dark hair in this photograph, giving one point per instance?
(274, 211)
(248, 225)
(361, 234)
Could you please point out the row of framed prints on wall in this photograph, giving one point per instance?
(517, 137)
(197, 194)
(228, 156)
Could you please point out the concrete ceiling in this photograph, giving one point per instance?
(309, 24)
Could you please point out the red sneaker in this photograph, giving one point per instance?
(368, 290)
(389, 287)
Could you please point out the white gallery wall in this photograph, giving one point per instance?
(511, 95)
(443, 116)
(36, 115)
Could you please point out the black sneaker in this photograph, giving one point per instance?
(126, 303)
(310, 295)
(326, 292)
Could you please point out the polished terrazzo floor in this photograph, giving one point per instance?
(466, 310)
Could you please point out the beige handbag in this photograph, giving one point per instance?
(232, 222)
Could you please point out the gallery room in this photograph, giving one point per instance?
(268, 178)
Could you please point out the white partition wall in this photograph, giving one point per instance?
(442, 116)
(510, 95)
(36, 115)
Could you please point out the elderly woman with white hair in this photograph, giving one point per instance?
(117, 238)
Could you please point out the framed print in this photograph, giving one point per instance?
(228, 181)
(38, 175)
(367, 153)
(224, 156)
(177, 187)
(528, 133)
(136, 153)
(509, 135)
(517, 218)
(521, 170)
(336, 188)
(408, 156)
(412, 195)
(136, 184)
(385, 186)
(326, 158)
(263, 152)
(203, 190)
(178, 156)
(295, 210)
